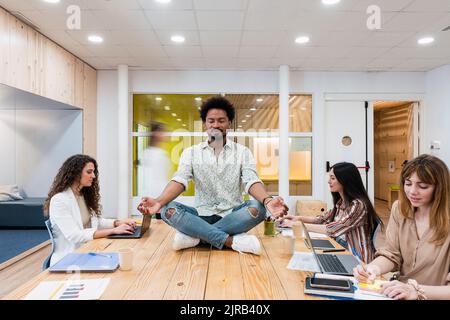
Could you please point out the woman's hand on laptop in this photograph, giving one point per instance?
(130, 222)
(149, 206)
(288, 221)
(123, 229)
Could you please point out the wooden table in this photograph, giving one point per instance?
(159, 272)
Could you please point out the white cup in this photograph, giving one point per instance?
(288, 244)
(126, 259)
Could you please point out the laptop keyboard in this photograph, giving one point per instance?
(137, 231)
(330, 263)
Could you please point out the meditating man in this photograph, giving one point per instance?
(219, 168)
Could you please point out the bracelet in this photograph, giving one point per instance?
(264, 201)
(420, 292)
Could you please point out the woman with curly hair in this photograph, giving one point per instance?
(73, 206)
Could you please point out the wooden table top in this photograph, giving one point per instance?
(197, 273)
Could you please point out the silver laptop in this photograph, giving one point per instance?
(341, 264)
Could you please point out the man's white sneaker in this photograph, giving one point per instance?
(246, 243)
(183, 241)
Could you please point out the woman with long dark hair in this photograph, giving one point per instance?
(73, 206)
(353, 220)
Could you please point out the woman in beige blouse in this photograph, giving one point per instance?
(417, 236)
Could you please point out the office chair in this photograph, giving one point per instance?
(375, 233)
(46, 263)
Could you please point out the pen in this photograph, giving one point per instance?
(99, 254)
(333, 250)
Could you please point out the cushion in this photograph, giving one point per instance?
(310, 207)
(10, 192)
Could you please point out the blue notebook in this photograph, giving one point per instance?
(87, 262)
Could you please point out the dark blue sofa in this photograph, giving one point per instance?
(26, 213)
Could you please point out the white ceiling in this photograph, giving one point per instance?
(248, 34)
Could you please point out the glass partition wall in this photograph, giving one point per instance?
(255, 126)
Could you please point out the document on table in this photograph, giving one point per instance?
(80, 289)
(304, 261)
(315, 235)
(371, 291)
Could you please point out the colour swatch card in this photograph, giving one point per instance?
(82, 289)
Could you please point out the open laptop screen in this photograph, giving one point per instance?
(308, 240)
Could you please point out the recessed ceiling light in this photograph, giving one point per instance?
(260, 99)
(158, 98)
(330, 2)
(198, 99)
(425, 40)
(174, 114)
(247, 115)
(52, 1)
(253, 109)
(177, 38)
(198, 108)
(167, 108)
(95, 39)
(163, 1)
(302, 40)
(239, 126)
(244, 121)
(178, 119)
(184, 125)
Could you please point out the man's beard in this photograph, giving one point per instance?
(217, 136)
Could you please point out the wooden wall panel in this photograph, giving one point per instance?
(90, 111)
(31, 62)
(79, 83)
(391, 127)
(59, 73)
(4, 46)
(18, 69)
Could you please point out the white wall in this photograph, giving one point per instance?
(367, 84)
(437, 112)
(44, 140)
(7, 147)
(35, 142)
(107, 108)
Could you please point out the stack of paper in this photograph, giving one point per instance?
(370, 291)
(81, 289)
(362, 291)
(304, 261)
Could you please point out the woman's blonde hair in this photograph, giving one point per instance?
(430, 170)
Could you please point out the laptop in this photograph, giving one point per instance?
(321, 244)
(341, 264)
(138, 233)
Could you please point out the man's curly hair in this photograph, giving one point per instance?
(217, 102)
(69, 173)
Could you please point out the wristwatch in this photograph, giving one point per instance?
(420, 292)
